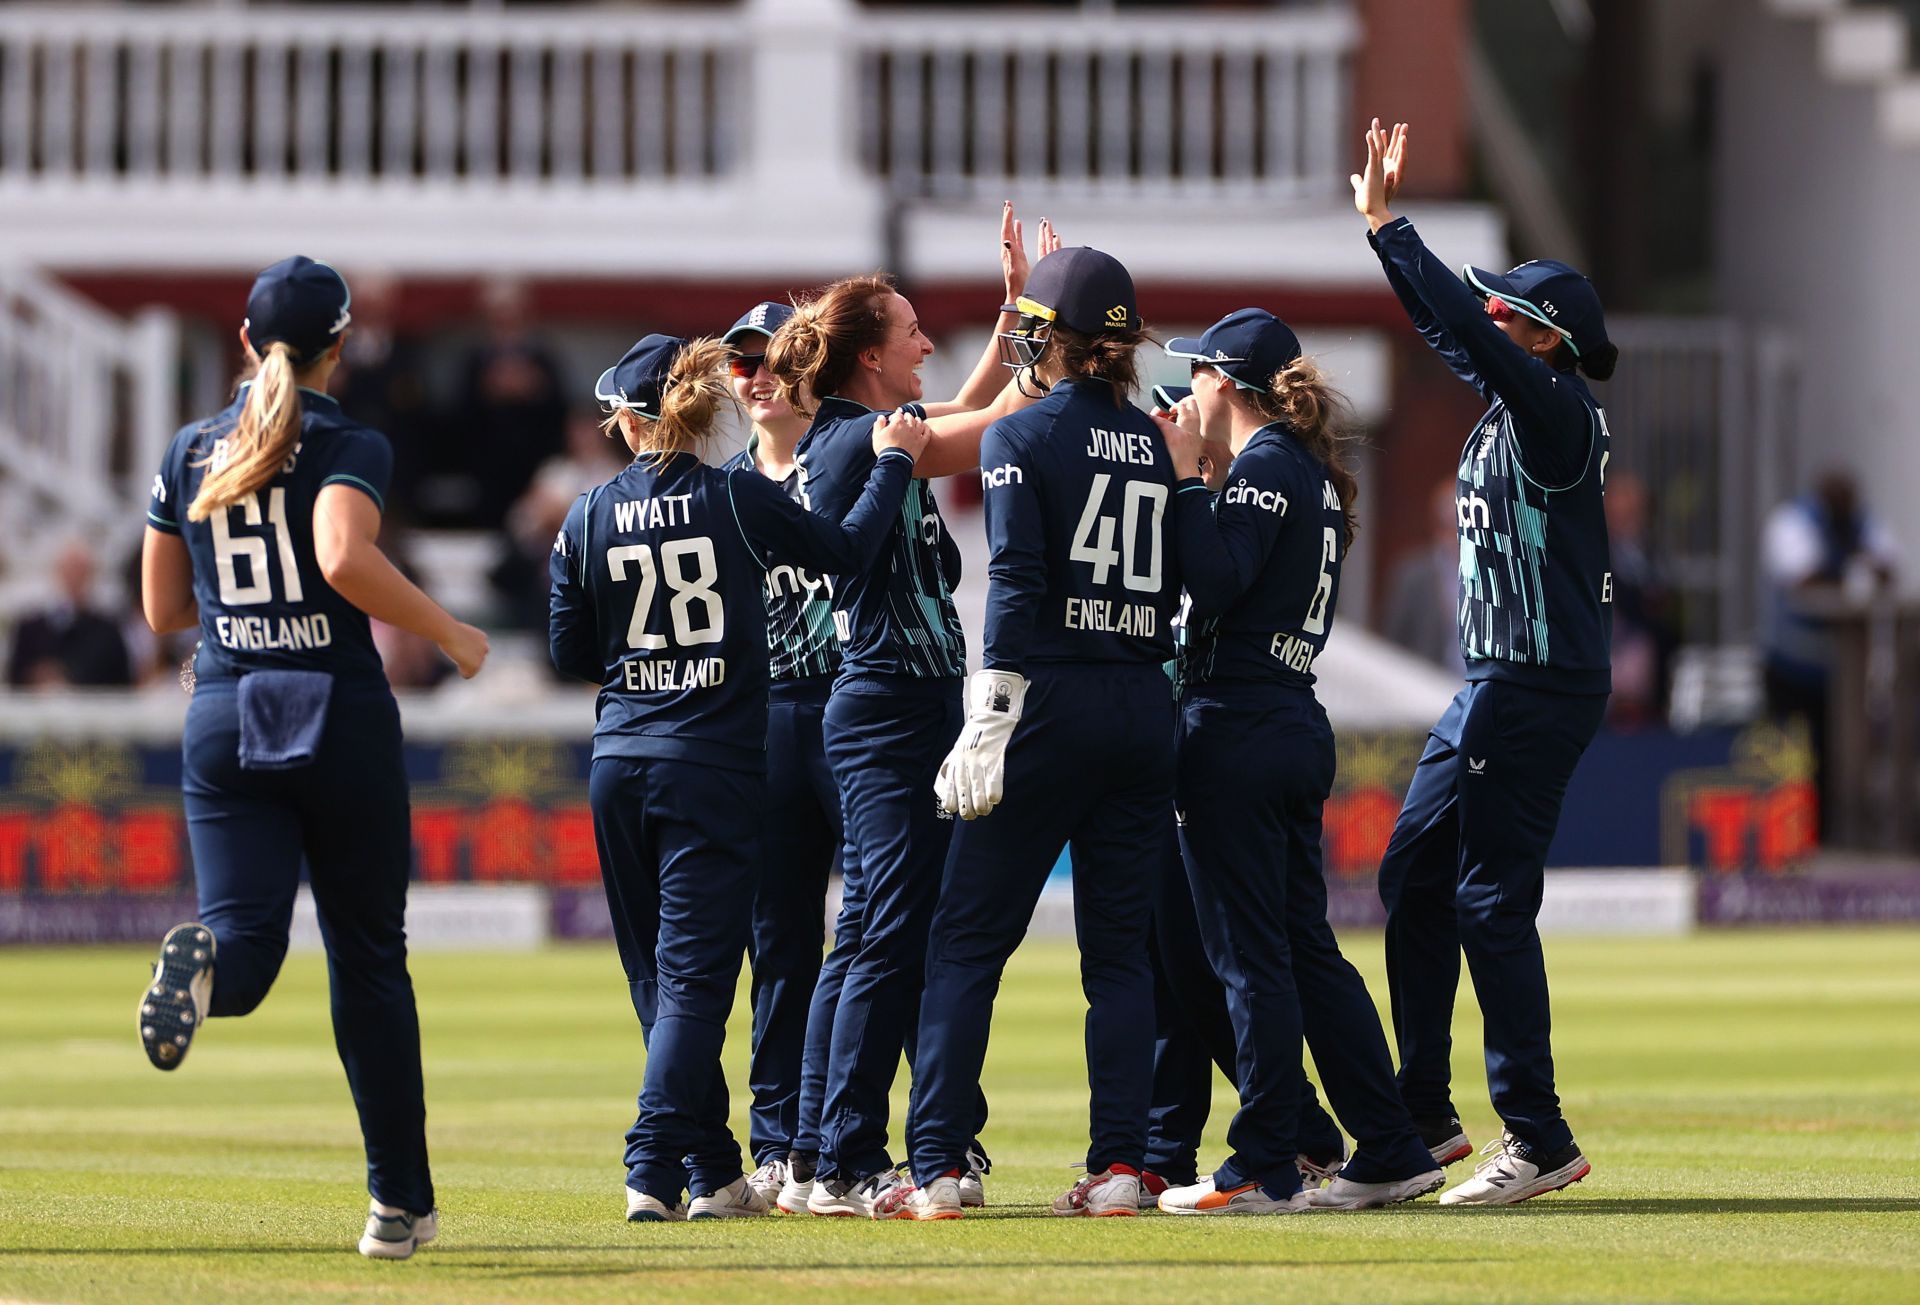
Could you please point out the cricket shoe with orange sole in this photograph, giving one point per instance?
(1204, 1197)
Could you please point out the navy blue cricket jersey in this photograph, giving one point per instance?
(801, 643)
(656, 597)
(1264, 587)
(1077, 493)
(895, 616)
(1536, 573)
(263, 603)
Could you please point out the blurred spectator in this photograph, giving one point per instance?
(410, 661)
(509, 417)
(1646, 630)
(1423, 593)
(380, 383)
(590, 459)
(1819, 549)
(71, 642)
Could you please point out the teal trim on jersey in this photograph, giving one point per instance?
(740, 525)
(347, 479)
(1534, 311)
(173, 527)
(586, 524)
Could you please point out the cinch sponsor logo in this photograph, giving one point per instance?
(785, 579)
(1473, 512)
(1000, 477)
(1268, 500)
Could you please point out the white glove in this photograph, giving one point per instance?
(973, 778)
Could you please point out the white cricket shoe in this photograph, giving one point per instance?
(1111, 1193)
(770, 1179)
(1514, 1172)
(739, 1199)
(794, 1194)
(642, 1208)
(395, 1234)
(174, 1005)
(939, 1199)
(973, 1187)
(1345, 1194)
(837, 1198)
(1248, 1198)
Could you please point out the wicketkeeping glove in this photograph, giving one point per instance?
(973, 778)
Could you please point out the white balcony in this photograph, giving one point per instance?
(647, 141)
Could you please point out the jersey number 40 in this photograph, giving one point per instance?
(1093, 536)
(689, 591)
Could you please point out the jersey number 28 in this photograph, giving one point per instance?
(689, 591)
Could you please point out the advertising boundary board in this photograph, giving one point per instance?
(1626, 902)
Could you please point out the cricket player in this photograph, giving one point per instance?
(262, 531)
(1466, 864)
(656, 597)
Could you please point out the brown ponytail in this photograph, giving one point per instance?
(815, 351)
(1316, 413)
(251, 453)
(690, 398)
(1110, 356)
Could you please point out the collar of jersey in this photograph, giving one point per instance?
(857, 406)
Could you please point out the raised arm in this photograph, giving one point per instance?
(573, 634)
(989, 376)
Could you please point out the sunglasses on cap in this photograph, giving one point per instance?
(1502, 311)
(744, 365)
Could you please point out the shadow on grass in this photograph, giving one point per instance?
(508, 1271)
(1717, 1205)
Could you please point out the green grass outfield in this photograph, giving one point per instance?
(1751, 1103)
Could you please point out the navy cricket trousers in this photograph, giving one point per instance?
(801, 844)
(1193, 1035)
(885, 737)
(1465, 870)
(679, 846)
(1089, 767)
(346, 815)
(1256, 767)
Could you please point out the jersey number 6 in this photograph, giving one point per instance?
(687, 591)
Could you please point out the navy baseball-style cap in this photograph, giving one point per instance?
(637, 380)
(762, 319)
(299, 302)
(1083, 289)
(1248, 346)
(1552, 294)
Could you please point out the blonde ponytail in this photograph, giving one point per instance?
(690, 399)
(251, 453)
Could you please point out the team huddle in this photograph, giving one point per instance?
(783, 692)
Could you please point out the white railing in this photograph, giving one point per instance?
(185, 93)
(86, 406)
(935, 103)
(1185, 105)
